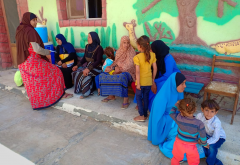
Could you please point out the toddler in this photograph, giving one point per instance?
(144, 77)
(215, 133)
(110, 58)
(190, 132)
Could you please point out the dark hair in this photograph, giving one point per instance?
(109, 53)
(211, 104)
(187, 106)
(144, 42)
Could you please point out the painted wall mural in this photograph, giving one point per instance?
(41, 20)
(194, 30)
(229, 47)
(187, 12)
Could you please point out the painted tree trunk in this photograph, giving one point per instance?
(188, 23)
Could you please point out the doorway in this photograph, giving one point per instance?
(12, 17)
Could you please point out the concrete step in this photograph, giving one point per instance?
(111, 112)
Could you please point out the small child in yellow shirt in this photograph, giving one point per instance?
(144, 77)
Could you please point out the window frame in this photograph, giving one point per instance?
(64, 21)
(76, 17)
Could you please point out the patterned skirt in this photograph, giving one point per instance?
(43, 81)
(116, 85)
(84, 84)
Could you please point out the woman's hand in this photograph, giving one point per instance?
(108, 69)
(86, 71)
(59, 63)
(117, 70)
(75, 68)
(64, 65)
(154, 88)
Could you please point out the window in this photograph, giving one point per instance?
(92, 13)
(84, 9)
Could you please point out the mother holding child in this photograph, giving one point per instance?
(122, 73)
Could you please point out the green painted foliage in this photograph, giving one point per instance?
(53, 38)
(72, 37)
(114, 36)
(103, 42)
(83, 39)
(66, 33)
(209, 10)
(168, 6)
(96, 30)
(164, 27)
(206, 8)
(57, 27)
(104, 35)
(108, 34)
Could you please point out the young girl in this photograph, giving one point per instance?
(110, 58)
(190, 132)
(144, 77)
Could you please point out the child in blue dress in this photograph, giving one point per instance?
(110, 58)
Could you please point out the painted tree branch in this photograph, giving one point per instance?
(149, 33)
(161, 31)
(150, 6)
(221, 6)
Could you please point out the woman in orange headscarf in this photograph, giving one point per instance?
(123, 75)
(43, 81)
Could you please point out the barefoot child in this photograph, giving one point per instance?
(110, 58)
(190, 131)
(215, 133)
(144, 77)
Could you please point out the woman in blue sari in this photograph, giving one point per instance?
(162, 130)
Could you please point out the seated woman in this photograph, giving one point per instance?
(83, 77)
(162, 130)
(166, 66)
(66, 58)
(123, 75)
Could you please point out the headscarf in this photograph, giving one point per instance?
(24, 35)
(160, 122)
(66, 45)
(161, 50)
(179, 78)
(95, 41)
(124, 58)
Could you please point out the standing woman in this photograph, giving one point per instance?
(43, 81)
(166, 66)
(66, 58)
(83, 78)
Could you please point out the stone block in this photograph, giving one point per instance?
(84, 23)
(91, 23)
(79, 22)
(98, 23)
(104, 23)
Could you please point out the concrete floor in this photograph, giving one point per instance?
(53, 137)
(104, 112)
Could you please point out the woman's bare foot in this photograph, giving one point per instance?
(67, 96)
(109, 98)
(125, 100)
